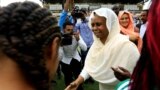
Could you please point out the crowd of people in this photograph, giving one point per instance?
(105, 45)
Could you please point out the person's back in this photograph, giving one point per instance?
(29, 41)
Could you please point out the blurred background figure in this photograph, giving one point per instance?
(143, 25)
(69, 56)
(86, 33)
(127, 28)
(118, 7)
(144, 18)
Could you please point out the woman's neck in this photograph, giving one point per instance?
(10, 76)
(103, 40)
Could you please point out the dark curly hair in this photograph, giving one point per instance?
(26, 30)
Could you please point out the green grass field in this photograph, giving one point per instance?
(59, 85)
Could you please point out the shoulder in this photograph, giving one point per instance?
(125, 45)
(129, 46)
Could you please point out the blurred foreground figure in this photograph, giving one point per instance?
(146, 75)
(29, 41)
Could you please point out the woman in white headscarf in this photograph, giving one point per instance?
(109, 49)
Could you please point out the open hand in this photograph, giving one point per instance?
(121, 73)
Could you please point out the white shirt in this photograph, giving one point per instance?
(66, 53)
(143, 29)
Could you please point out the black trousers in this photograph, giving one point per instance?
(71, 72)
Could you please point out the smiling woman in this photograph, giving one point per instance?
(99, 27)
(128, 28)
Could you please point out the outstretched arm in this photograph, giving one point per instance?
(64, 13)
(68, 4)
(74, 85)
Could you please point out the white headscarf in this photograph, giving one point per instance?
(117, 51)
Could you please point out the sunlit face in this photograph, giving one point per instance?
(52, 60)
(124, 20)
(68, 29)
(99, 27)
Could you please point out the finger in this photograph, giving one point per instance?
(114, 69)
(67, 88)
(73, 84)
(123, 69)
(118, 72)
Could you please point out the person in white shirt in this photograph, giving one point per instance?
(144, 15)
(69, 56)
(109, 49)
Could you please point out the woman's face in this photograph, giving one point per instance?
(99, 27)
(124, 20)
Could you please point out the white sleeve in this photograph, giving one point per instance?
(84, 74)
(82, 44)
(60, 53)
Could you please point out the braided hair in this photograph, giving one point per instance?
(26, 29)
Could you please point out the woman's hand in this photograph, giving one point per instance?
(121, 73)
(72, 86)
(133, 38)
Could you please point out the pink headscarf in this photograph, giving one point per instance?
(130, 30)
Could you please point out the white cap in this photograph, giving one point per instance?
(6, 2)
(147, 5)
